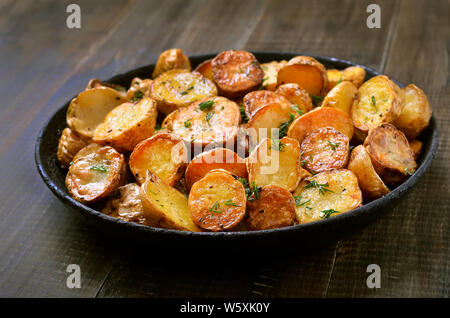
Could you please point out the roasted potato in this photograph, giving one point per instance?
(369, 181)
(217, 201)
(68, 146)
(125, 203)
(127, 125)
(354, 74)
(96, 83)
(218, 158)
(274, 208)
(341, 96)
(276, 162)
(236, 73)
(307, 72)
(164, 154)
(211, 120)
(327, 194)
(95, 173)
(379, 100)
(271, 73)
(416, 113)
(89, 109)
(416, 146)
(297, 96)
(391, 154)
(169, 60)
(205, 69)
(318, 118)
(179, 88)
(165, 206)
(258, 99)
(139, 89)
(324, 149)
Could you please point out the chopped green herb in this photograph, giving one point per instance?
(316, 100)
(374, 103)
(277, 145)
(303, 163)
(328, 213)
(298, 200)
(208, 116)
(244, 118)
(297, 109)
(351, 148)
(138, 95)
(340, 81)
(206, 105)
(187, 123)
(409, 172)
(216, 208)
(187, 90)
(250, 190)
(230, 203)
(157, 127)
(285, 126)
(333, 145)
(99, 168)
(323, 188)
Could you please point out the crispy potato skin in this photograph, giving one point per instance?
(164, 154)
(127, 125)
(416, 113)
(341, 96)
(217, 201)
(379, 100)
(258, 99)
(264, 120)
(68, 146)
(274, 208)
(369, 181)
(95, 173)
(271, 73)
(391, 154)
(236, 73)
(324, 149)
(218, 158)
(165, 206)
(89, 109)
(296, 96)
(205, 69)
(354, 74)
(344, 195)
(139, 87)
(307, 72)
(318, 118)
(416, 146)
(169, 60)
(177, 88)
(126, 204)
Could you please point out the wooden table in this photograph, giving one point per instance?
(43, 63)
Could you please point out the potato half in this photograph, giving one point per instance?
(126, 204)
(169, 60)
(68, 146)
(354, 74)
(341, 96)
(297, 96)
(271, 74)
(205, 69)
(139, 89)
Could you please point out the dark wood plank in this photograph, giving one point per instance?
(411, 244)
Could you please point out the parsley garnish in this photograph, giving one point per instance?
(284, 127)
(99, 168)
(206, 105)
(327, 213)
(316, 100)
(323, 188)
(333, 145)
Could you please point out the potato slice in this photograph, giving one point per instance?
(89, 109)
(169, 60)
(139, 89)
(416, 146)
(324, 149)
(391, 154)
(379, 101)
(68, 146)
(276, 162)
(236, 73)
(271, 73)
(217, 201)
(179, 88)
(369, 181)
(327, 194)
(258, 99)
(205, 69)
(416, 113)
(127, 125)
(218, 158)
(125, 203)
(318, 118)
(274, 208)
(165, 206)
(95, 173)
(164, 154)
(297, 96)
(211, 120)
(354, 74)
(341, 96)
(307, 72)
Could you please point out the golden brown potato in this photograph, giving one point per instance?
(276, 162)
(218, 158)
(125, 203)
(179, 88)
(391, 154)
(205, 69)
(318, 118)
(139, 89)
(211, 120)
(416, 146)
(274, 208)
(89, 109)
(379, 101)
(95, 173)
(169, 60)
(236, 73)
(327, 194)
(258, 99)
(127, 125)
(298, 96)
(307, 72)
(164, 154)
(217, 201)
(324, 149)
(68, 146)
(341, 96)
(96, 83)
(271, 73)
(416, 113)
(165, 206)
(354, 74)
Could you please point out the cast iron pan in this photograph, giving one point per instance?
(303, 236)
